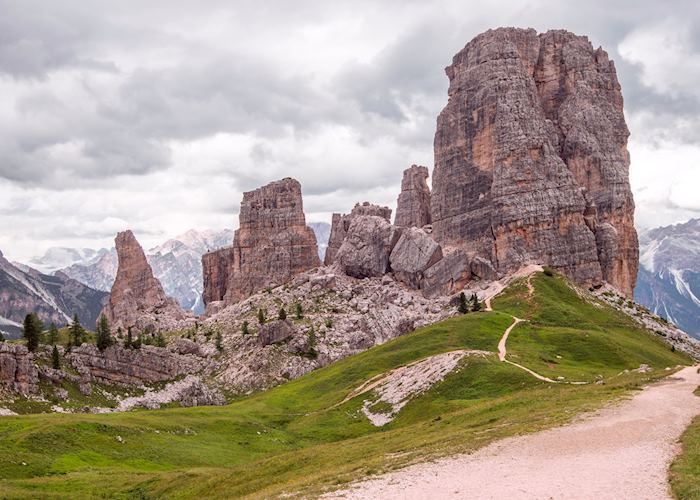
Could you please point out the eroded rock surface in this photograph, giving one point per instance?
(413, 254)
(532, 137)
(341, 224)
(18, 373)
(130, 366)
(137, 298)
(272, 245)
(367, 245)
(413, 204)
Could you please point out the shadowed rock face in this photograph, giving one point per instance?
(531, 163)
(413, 205)
(271, 246)
(137, 298)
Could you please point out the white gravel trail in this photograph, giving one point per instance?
(621, 452)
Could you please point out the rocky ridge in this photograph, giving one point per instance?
(413, 204)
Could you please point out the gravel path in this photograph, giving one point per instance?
(620, 452)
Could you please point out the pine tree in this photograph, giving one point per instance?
(2, 337)
(463, 306)
(282, 314)
(104, 334)
(244, 328)
(32, 331)
(129, 344)
(120, 333)
(261, 316)
(55, 358)
(476, 305)
(138, 342)
(219, 342)
(53, 334)
(77, 332)
(311, 343)
(299, 311)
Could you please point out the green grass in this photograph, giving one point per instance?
(297, 439)
(685, 470)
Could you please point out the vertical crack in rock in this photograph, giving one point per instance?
(531, 139)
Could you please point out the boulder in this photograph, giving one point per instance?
(367, 246)
(275, 331)
(340, 225)
(447, 275)
(414, 252)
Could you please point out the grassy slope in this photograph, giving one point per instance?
(291, 438)
(685, 469)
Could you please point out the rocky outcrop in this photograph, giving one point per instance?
(449, 274)
(271, 245)
(367, 245)
(341, 224)
(137, 298)
(18, 373)
(413, 254)
(216, 266)
(413, 204)
(117, 365)
(276, 331)
(531, 158)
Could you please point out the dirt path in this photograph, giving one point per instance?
(621, 452)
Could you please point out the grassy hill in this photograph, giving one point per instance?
(302, 437)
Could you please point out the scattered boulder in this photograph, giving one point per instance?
(412, 255)
(447, 275)
(367, 246)
(275, 331)
(341, 224)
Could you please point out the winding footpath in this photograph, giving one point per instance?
(621, 452)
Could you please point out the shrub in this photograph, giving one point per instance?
(219, 342)
(261, 316)
(282, 314)
(548, 271)
(329, 323)
(299, 311)
(244, 328)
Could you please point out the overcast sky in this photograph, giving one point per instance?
(157, 115)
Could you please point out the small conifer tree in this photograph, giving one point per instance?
(463, 307)
(244, 328)
(32, 330)
(219, 342)
(299, 311)
(282, 314)
(129, 344)
(77, 332)
(476, 305)
(261, 316)
(55, 358)
(104, 334)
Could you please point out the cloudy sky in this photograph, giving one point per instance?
(157, 115)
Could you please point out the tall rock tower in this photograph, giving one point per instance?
(531, 160)
(271, 245)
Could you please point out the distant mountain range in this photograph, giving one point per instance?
(668, 282)
(177, 263)
(53, 297)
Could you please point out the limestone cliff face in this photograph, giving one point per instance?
(137, 298)
(413, 204)
(271, 246)
(18, 373)
(340, 225)
(531, 163)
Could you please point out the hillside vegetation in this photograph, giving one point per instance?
(302, 437)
